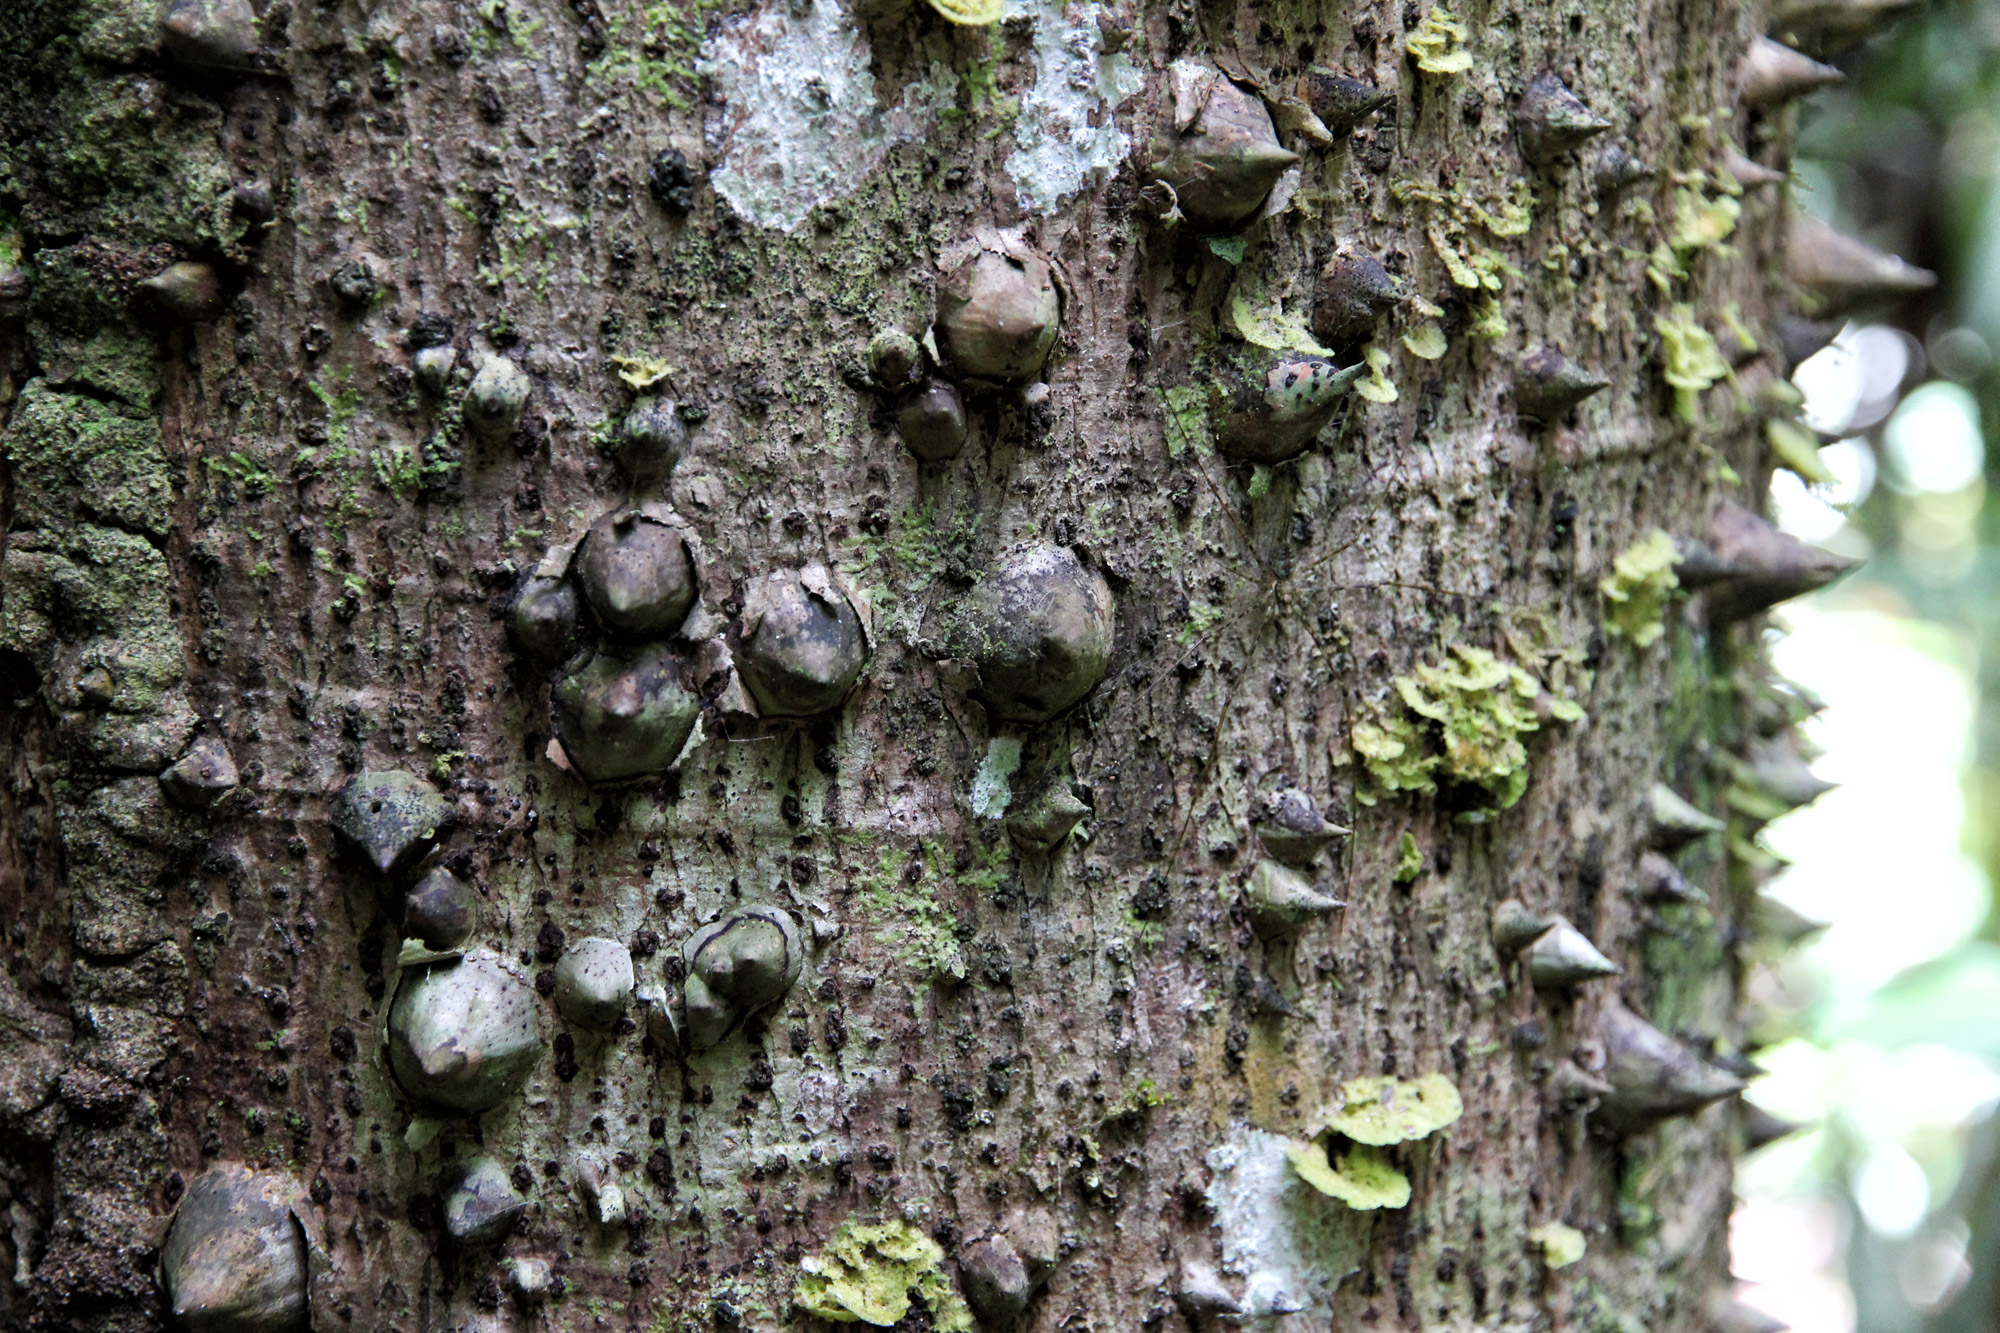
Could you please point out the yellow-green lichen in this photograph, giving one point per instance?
(1364, 1179)
(1377, 387)
(1185, 418)
(1258, 316)
(1798, 449)
(1702, 222)
(1462, 721)
(1439, 44)
(971, 13)
(1637, 587)
(1409, 859)
(1375, 1113)
(1690, 360)
(1561, 1245)
(1425, 339)
(642, 372)
(1382, 1111)
(869, 1273)
(1488, 320)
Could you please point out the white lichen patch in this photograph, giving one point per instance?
(1066, 135)
(991, 792)
(1278, 1234)
(801, 123)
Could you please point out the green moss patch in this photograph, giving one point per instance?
(74, 455)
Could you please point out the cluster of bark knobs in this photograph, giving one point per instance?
(640, 649)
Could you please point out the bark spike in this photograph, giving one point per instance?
(1515, 927)
(1761, 1128)
(1617, 170)
(1352, 293)
(1747, 565)
(1782, 924)
(1800, 338)
(1828, 27)
(1675, 822)
(1283, 902)
(1548, 384)
(1292, 829)
(1562, 958)
(1842, 273)
(1736, 1317)
(1748, 173)
(1772, 72)
(1662, 881)
(1340, 102)
(1652, 1076)
(1551, 121)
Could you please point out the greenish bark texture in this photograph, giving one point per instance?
(261, 501)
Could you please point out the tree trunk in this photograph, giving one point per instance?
(1007, 976)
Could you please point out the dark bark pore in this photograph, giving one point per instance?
(1053, 1009)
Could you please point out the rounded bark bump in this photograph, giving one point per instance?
(464, 1035)
(481, 1206)
(998, 312)
(798, 643)
(637, 573)
(1038, 628)
(544, 618)
(735, 967)
(391, 818)
(931, 422)
(235, 1257)
(440, 909)
(594, 983)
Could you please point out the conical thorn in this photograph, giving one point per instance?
(1341, 103)
(1747, 565)
(1843, 272)
(1548, 384)
(1515, 927)
(1551, 121)
(1736, 1317)
(1761, 1128)
(1652, 1076)
(1662, 881)
(1750, 174)
(1799, 337)
(1675, 822)
(1617, 170)
(1773, 72)
(1828, 27)
(1562, 958)
(1282, 901)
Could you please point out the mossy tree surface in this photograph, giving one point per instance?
(266, 527)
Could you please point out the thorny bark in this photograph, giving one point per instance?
(270, 535)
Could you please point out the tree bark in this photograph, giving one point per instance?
(271, 515)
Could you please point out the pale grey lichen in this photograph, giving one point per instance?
(1066, 136)
(1292, 1251)
(801, 124)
